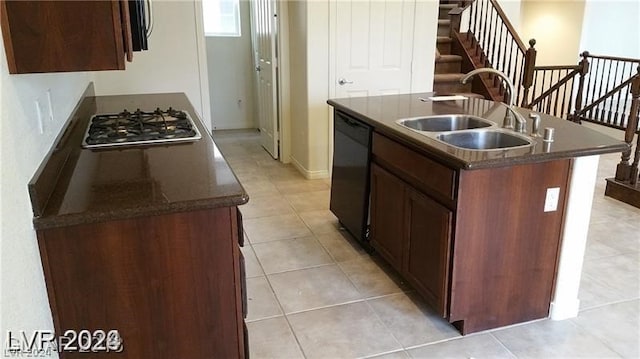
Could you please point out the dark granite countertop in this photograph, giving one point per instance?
(381, 112)
(75, 185)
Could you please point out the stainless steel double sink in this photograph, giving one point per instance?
(466, 132)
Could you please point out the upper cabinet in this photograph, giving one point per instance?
(55, 36)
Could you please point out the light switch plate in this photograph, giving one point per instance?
(551, 201)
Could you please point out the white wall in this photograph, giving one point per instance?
(298, 82)
(231, 77)
(612, 28)
(311, 128)
(174, 61)
(556, 26)
(24, 144)
(309, 73)
(318, 90)
(513, 10)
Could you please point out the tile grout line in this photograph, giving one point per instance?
(271, 286)
(585, 330)
(385, 326)
(600, 306)
(284, 314)
(502, 344)
(267, 173)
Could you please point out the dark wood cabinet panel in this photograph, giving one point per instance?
(412, 232)
(483, 260)
(170, 284)
(420, 171)
(52, 36)
(428, 233)
(507, 244)
(387, 215)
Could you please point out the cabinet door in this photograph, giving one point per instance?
(427, 239)
(53, 36)
(387, 217)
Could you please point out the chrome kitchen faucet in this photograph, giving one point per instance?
(521, 125)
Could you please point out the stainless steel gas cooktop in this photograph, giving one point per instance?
(140, 128)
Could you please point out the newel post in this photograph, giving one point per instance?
(529, 71)
(632, 125)
(455, 16)
(624, 171)
(584, 70)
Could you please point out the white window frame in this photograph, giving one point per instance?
(212, 15)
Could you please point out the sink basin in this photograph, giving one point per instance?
(484, 139)
(442, 123)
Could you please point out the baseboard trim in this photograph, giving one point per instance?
(307, 173)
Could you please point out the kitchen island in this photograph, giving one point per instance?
(487, 237)
(142, 239)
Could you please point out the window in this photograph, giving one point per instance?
(221, 17)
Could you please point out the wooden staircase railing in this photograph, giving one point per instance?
(625, 186)
(553, 88)
(607, 90)
(607, 93)
(626, 171)
(501, 48)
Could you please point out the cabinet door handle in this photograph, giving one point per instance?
(243, 287)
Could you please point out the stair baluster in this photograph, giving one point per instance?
(625, 171)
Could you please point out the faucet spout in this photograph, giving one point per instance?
(508, 121)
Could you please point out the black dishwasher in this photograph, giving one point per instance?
(350, 175)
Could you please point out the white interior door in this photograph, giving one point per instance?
(374, 47)
(264, 34)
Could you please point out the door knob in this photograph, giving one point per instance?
(342, 81)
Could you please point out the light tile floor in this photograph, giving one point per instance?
(314, 293)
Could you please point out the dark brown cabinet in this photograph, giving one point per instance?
(54, 36)
(477, 245)
(428, 238)
(387, 216)
(172, 284)
(412, 232)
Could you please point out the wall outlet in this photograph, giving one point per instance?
(551, 200)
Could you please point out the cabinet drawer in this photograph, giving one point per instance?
(417, 169)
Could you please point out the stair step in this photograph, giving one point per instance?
(443, 11)
(455, 77)
(443, 44)
(451, 87)
(449, 58)
(448, 67)
(444, 27)
(446, 64)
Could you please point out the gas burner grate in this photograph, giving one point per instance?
(140, 128)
